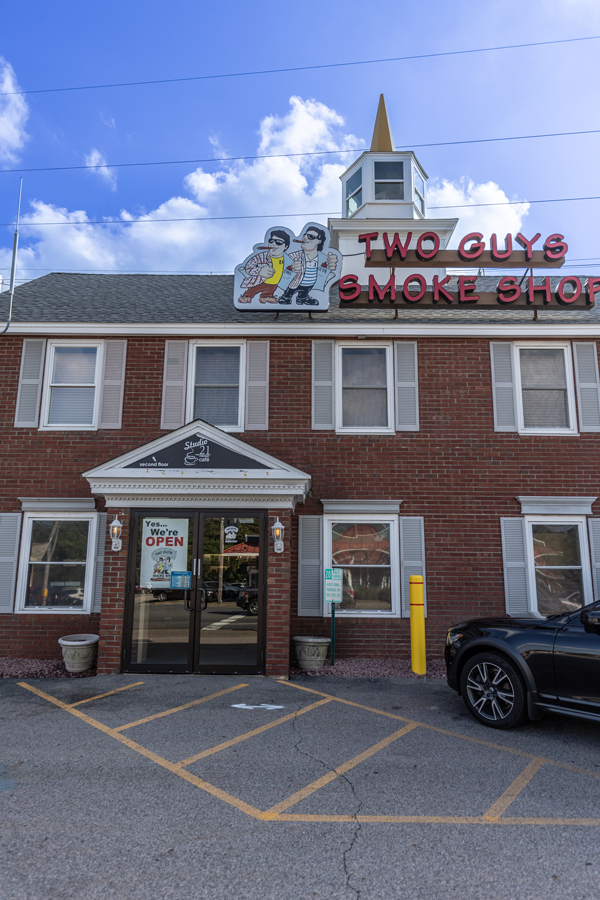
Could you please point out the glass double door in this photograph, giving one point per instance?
(195, 593)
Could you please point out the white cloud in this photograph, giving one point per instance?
(460, 201)
(109, 176)
(14, 112)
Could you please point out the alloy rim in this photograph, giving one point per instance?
(490, 691)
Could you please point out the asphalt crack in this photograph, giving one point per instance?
(357, 825)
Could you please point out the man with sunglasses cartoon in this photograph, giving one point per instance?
(311, 268)
(264, 270)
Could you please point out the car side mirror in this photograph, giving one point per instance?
(591, 621)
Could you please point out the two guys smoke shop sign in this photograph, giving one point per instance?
(400, 252)
(288, 272)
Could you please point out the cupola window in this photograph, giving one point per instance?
(389, 181)
(354, 193)
(419, 191)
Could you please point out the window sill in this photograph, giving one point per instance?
(68, 428)
(52, 610)
(363, 614)
(568, 432)
(366, 431)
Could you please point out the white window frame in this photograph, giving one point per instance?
(586, 580)
(350, 215)
(49, 366)
(402, 181)
(392, 522)
(90, 565)
(391, 388)
(189, 415)
(565, 346)
(417, 192)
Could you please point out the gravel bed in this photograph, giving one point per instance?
(373, 668)
(38, 668)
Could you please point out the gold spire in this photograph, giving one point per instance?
(382, 133)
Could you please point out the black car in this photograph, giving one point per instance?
(509, 670)
(248, 600)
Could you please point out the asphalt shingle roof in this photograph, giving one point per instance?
(129, 299)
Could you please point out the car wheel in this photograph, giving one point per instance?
(253, 607)
(493, 691)
(162, 595)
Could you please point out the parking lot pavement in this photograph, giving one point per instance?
(156, 787)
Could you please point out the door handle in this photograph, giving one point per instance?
(202, 599)
(187, 601)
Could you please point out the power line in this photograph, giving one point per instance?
(405, 146)
(363, 62)
(511, 203)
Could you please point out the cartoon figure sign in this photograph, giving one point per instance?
(288, 271)
(164, 550)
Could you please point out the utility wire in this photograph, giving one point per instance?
(363, 62)
(287, 215)
(406, 146)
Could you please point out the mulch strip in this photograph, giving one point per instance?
(39, 668)
(373, 668)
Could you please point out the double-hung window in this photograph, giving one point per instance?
(367, 549)
(354, 193)
(216, 386)
(56, 572)
(558, 564)
(419, 186)
(389, 181)
(365, 388)
(71, 398)
(545, 395)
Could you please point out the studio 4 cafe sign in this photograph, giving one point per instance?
(472, 252)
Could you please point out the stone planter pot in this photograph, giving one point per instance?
(79, 651)
(311, 651)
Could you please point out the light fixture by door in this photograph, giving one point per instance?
(277, 530)
(115, 534)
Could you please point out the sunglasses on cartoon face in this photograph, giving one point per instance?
(310, 237)
(277, 242)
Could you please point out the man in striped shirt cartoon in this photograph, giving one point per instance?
(311, 268)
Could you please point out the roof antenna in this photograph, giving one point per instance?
(14, 262)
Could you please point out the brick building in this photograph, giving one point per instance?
(457, 443)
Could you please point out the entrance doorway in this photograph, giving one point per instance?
(195, 597)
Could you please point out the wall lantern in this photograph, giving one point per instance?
(277, 530)
(115, 534)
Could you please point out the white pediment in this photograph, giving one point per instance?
(198, 465)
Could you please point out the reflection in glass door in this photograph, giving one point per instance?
(161, 615)
(230, 565)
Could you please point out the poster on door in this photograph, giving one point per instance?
(164, 550)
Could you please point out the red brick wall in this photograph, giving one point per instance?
(456, 472)
(279, 567)
(33, 635)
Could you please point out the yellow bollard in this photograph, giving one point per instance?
(417, 625)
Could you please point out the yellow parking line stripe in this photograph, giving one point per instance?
(456, 734)
(436, 820)
(175, 709)
(514, 789)
(335, 773)
(107, 694)
(154, 757)
(248, 734)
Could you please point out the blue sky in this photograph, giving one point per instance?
(502, 93)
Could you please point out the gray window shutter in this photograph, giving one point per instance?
(516, 582)
(30, 384)
(113, 383)
(588, 386)
(174, 385)
(594, 529)
(412, 557)
(257, 385)
(323, 395)
(99, 571)
(310, 565)
(407, 386)
(503, 387)
(10, 528)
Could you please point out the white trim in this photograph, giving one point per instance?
(556, 506)
(391, 392)
(581, 522)
(90, 565)
(191, 381)
(376, 507)
(392, 521)
(59, 504)
(394, 328)
(49, 364)
(568, 358)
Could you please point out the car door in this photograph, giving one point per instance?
(577, 666)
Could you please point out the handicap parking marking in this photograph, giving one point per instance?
(257, 706)
(495, 815)
(6, 782)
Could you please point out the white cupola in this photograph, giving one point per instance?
(384, 183)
